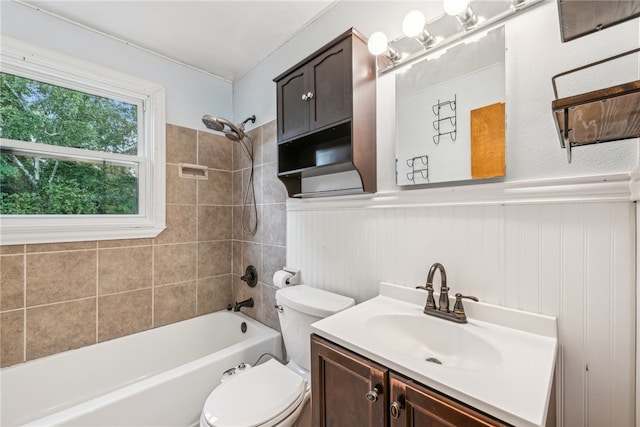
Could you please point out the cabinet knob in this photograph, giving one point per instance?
(304, 96)
(310, 95)
(372, 395)
(395, 408)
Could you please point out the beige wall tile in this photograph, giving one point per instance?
(236, 260)
(181, 225)
(252, 255)
(174, 263)
(216, 190)
(249, 222)
(256, 137)
(11, 282)
(238, 189)
(273, 190)
(124, 269)
(214, 150)
(214, 223)
(274, 258)
(57, 247)
(257, 182)
(11, 337)
(124, 314)
(179, 190)
(214, 258)
(269, 142)
(124, 243)
(236, 226)
(181, 144)
(240, 159)
(60, 327)
(173, 303)
(214, 293)
(275, 224)
(269, 312)
(60, 276)
(11, 249)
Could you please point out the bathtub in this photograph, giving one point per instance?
(160, 377)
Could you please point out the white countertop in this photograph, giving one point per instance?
(513, 383)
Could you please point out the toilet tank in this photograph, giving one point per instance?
(301, 306)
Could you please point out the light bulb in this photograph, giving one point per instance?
(413, 23)
(377, 43)
(455, 7)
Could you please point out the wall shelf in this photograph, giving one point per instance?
(603, 115)
(326, 115)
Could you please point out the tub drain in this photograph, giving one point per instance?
(433, 360)
(243, 327)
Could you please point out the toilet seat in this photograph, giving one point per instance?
(262, 396)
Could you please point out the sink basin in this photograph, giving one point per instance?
(434, 341)
(500, 362)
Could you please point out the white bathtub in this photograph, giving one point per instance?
(160, 377)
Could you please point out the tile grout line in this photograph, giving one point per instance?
(97, 291)
(24, 304)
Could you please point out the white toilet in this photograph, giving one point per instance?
(272, 394)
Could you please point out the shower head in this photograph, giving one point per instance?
(212, 123)
(234, 133)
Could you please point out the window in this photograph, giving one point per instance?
(81, 150)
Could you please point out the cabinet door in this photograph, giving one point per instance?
(331, 85)
(412, 404)
(340, 383)
(293, 110)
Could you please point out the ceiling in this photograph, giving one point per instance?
(223, 38)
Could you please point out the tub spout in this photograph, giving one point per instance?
(245, 303)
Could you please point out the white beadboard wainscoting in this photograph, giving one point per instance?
(565, 248)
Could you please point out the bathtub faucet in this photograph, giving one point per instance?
(245, 303)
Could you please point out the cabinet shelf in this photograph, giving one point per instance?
(604, 115)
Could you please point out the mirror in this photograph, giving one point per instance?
(450, 113)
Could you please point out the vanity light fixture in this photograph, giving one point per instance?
(472, 25)
(461, 9)
(379, 45)
(414, 26)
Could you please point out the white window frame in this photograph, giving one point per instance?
(36, 63)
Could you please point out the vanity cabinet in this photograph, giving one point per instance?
(350, 390)
(326, 114)
(346, 389)
(414, 405)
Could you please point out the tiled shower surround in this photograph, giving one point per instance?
(57, 297)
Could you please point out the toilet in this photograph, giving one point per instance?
(272, 394)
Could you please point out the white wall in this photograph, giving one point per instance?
(190, 93)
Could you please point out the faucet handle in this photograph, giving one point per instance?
(458, 308)
(431, 302)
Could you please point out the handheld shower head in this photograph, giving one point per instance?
(218, 124)
(236, 133)
(212, 123)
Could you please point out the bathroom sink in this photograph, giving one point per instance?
(500, 362)
(432, 340)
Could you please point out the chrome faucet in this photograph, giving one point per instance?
(442, 311)
(245, 303)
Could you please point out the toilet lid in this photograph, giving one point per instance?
(254, 397)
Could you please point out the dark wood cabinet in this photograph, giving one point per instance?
(316, 94)
(349, 390)
(413, 405)
(326, 114)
